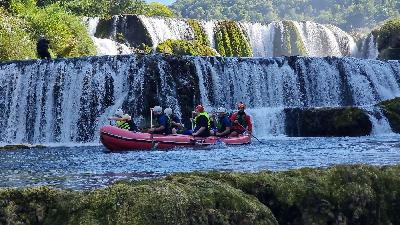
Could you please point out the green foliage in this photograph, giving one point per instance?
(158, 9)
(182, 47)
(108, 8)
(231, 41)
(199, 33)
(67, 34)
(348, 15)
(289, 42)
(388, 36)
(15, 41)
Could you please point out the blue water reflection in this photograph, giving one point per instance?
(93, 167)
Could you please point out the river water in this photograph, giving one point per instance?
(89, 167)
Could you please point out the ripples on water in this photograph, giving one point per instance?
(87, 167)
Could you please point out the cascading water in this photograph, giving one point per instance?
(67, 100)
(316, 39)
(380, 124)
(261, 38)
(105, 46)
(369, 48)
(161, 29)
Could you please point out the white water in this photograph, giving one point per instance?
(161, 29)
(105, 46)
(380, 125)
(369, 48)
(67, 100)
(208, 27)
(318, 39)
(261, 38)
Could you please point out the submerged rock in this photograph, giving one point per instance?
(20, 146)
(391, 109)
(344, 121)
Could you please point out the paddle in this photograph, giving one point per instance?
(151, 117)
(250, 133)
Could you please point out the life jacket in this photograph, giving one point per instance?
(123, 125)
(203, 114)
(171, 119)
(242, 119)
(219, 126)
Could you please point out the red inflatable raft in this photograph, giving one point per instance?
(116, 139)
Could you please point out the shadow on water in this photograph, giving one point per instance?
(87, 167)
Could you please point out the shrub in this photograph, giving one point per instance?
(15, 42)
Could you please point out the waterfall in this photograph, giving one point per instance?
(105, 46)
(208, 27)
(161, 29)
(369, 49)
(380, 124)
(67, 100)
(261, 38)
(316, 39)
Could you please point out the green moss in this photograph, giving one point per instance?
(289, 41)
(357, 194)
(231, 41)
(20, 146)
(182, 47)
(199, 33)
(388, 40)
(391, 109)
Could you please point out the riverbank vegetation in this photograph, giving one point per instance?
(61, 22)
(352, 194)
(348, 15)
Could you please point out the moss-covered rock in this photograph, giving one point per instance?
(388, 39)
(341, 194)
(199, 34)
(338, 195)
(20, 146)
(125, 29)
(231, 41)
(347, 121)
(289, 41)
(391, 109)
(182, 47)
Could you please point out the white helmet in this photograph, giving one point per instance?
(157, 109)
(168, 111)
(119, 112)
(221, 110)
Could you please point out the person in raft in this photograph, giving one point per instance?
(223, 123)
(241, 121)
(123, 121)
(201, 123)
(174, 121)
(163, 126)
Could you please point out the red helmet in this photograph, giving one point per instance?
(199, 108)
(241, 105)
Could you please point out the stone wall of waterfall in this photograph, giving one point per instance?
(67, 100)
(124, 34)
